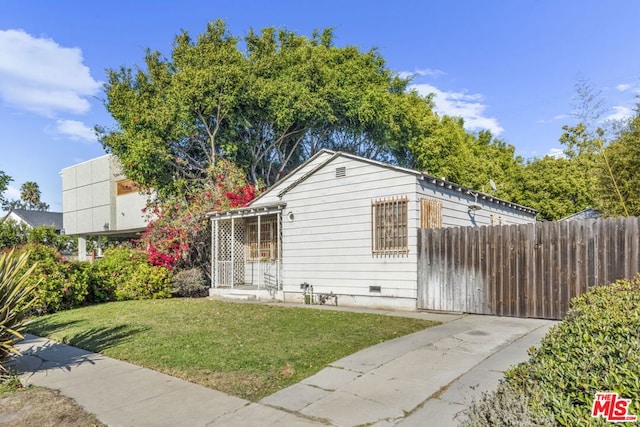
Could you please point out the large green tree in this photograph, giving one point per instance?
(479, 161)
(621, 196)
(267, 104)
(555, 187)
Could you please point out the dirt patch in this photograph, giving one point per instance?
(42, 407)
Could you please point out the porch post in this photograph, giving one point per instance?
(214, 252)
(233, 247)
(279, 250)
(259, 255)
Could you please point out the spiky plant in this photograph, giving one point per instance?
(17, 296)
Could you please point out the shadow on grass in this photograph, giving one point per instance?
(100, 339)
(45, 328)
(94, 339)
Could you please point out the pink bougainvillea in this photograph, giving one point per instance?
(177, 234)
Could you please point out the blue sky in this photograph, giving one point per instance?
(507, 66)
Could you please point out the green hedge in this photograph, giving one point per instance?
(122, 274)
(596, 348)
(56, 287)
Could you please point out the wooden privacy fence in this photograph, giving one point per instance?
(529, 270)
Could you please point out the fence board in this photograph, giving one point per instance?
(530, 270)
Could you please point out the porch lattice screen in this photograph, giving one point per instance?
(230, 253)
(389, 226)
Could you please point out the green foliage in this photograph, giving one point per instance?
(623, 157)
(445, 149)
(595, 348)
(54, 282)
(47, 235)
(30, 197)
(557, 187)
(124, 274)
(178, 236)
(266, 103)
(505, 407)
(4, 183)
(16, 298)
(12, 234)
(145, 282)
(190, 283)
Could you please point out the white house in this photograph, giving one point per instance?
(99, 200)
(346, 226)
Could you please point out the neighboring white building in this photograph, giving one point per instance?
(98, 199)
(345, 225)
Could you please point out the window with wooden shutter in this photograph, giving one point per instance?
(389, 226)
(430, 213)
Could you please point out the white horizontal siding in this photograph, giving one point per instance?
(328, 244)
(272, 195)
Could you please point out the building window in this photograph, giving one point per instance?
(389, 226)
(430, 213)
(126, 186)
(267, 248)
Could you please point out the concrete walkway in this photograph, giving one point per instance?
(421, 379)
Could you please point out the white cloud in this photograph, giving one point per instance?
(424, 72)
(620, 113)
(12, 193)
(557, 153)
(75, 130)
(623, 87)
(461, 104)
(39, 75)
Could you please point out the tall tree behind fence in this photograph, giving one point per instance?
(530, 270)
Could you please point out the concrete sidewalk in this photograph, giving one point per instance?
(420, 379)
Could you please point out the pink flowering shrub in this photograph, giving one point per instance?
(178, 236)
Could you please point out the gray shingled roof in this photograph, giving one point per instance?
(38, 218)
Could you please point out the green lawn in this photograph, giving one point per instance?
(248, 350)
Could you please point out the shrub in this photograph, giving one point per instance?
(17, 295)
(124, 273)
(190, 283)
(596, 348)
(12, 234)
(55, 290)
(177, 235)
(146, 282)
(505, 407)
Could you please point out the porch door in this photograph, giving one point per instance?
(263, 251)
(230, 253)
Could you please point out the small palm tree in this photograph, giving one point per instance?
(16, 298)
(30, 196)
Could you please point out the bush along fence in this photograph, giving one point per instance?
(530, 270)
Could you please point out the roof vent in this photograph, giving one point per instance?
(341, 172)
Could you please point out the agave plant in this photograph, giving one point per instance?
(17, 296)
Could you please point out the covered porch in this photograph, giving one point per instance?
(247, 249)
